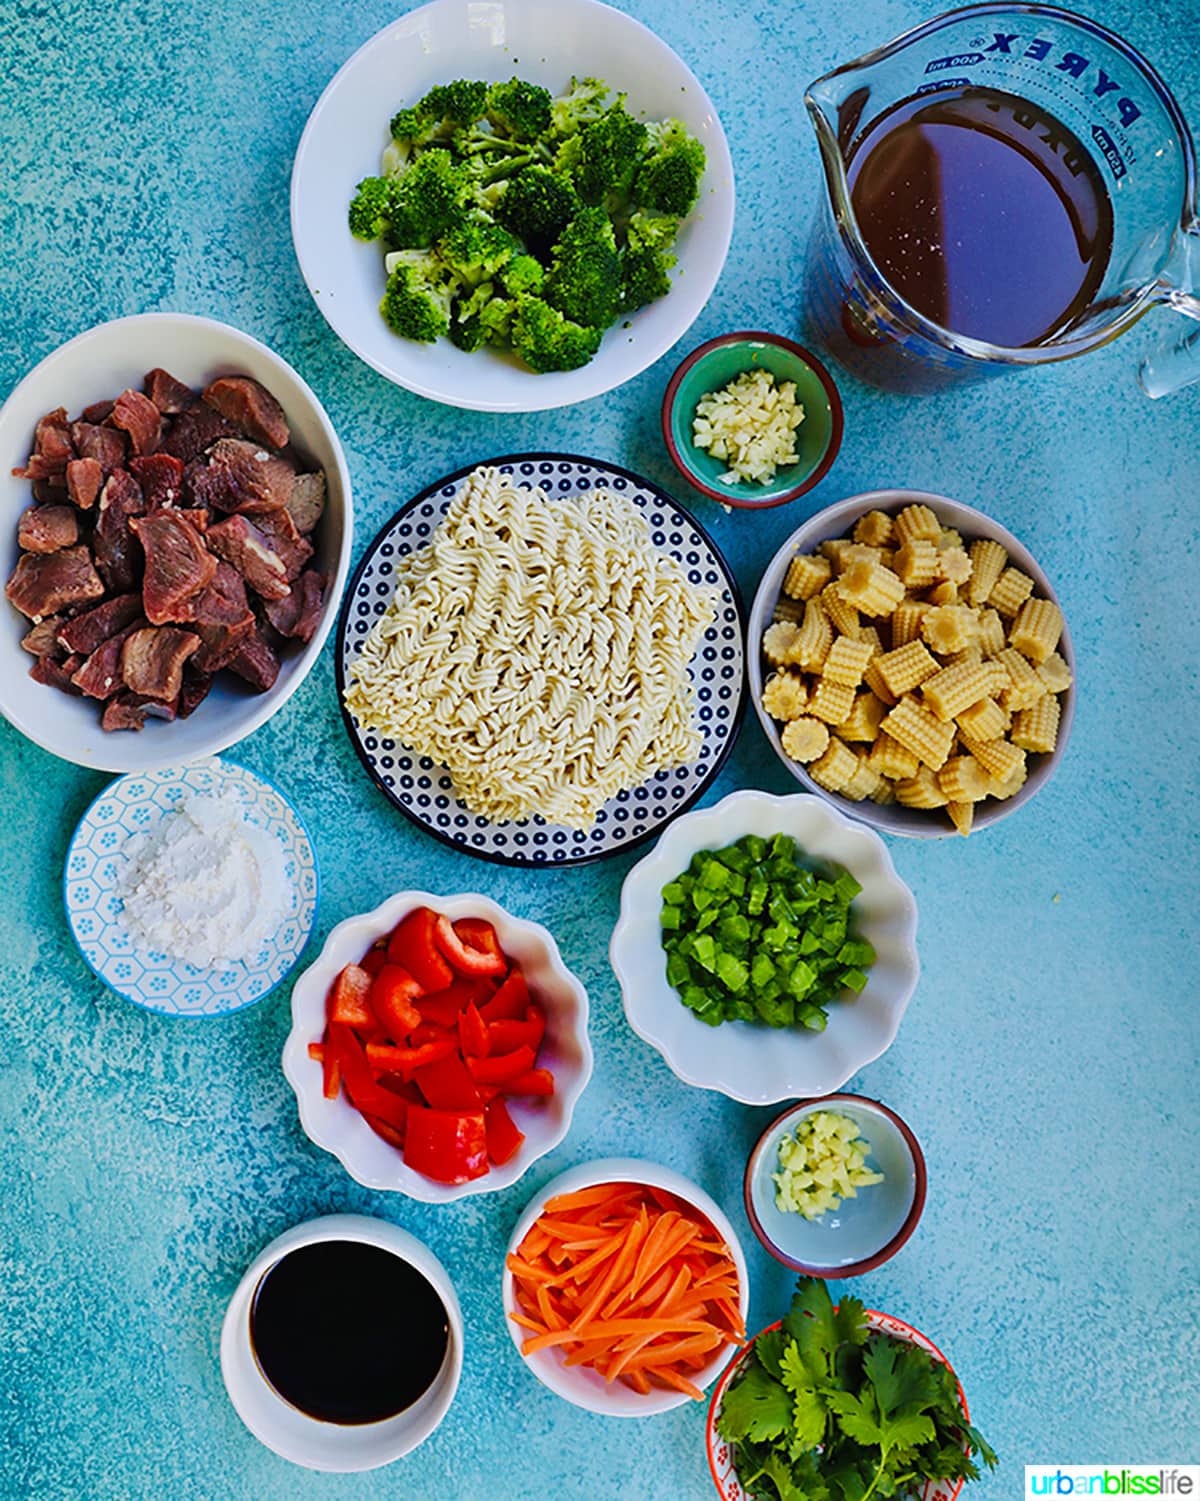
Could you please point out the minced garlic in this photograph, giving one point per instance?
(752, 424)
(821, 1163)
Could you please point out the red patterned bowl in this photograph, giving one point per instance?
(720, 1452)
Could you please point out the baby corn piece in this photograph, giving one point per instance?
(807, 575)
(954, 689)
(863, 783)
(1036, 630)
(814, 639)
(847, 661)
(921, 791)
(970, 656)
(873, 679)
(987, 564)
(1004, 790)
(1010, 591)
(891, 759)
(805, 739)
(785, 695)
(905, 668)
(1055, 673)
(917, 564)
(779, 642)
(963, 780)
(915, 727)
(944, 593)
(1024, 685)
(1036, 729)
(962, 816)
(831, 702)
(991, 632)
(917, 523)
(835, 768)
(791, 609)
(871, 588)
(999, 758)
(954, 566)
(875, 529)
(863, 721)
(949, 628)
(906, 621)
(843, 617)
(984, 720)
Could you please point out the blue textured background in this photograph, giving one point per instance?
(1047, 1062)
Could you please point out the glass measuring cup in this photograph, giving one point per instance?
(1063, 91)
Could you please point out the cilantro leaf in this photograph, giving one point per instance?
(808, 1410)
(857, 1417)
(769, 1347)
(779, 1472)
(850, 1321)
(979, 1445)
(756, 1406)
(906, 1430)
(811, 1323)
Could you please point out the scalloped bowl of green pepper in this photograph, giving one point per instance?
(766, 947)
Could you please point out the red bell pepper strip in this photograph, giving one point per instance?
(446, 1084)
(500, 1070)
(487, 1092)
(348, 997)
(449, 1146)
(437, 1012)
(316, 1051)
(503, 1135)
(506, 1034)
(511, 1001)
(412, 947)
(331, 1070)
(393, 992)
(365, 1093)
(538, 1081)
(398, 1084)
(382, 1128)
(472, 1034)
(386, 1058)
(430, 1032)
(374, 959)
(471, 946)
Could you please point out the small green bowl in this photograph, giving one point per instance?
(713, 366)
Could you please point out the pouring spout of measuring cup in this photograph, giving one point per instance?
(1176, 362)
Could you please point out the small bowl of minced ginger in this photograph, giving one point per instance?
(835, 1186)
(752, 420)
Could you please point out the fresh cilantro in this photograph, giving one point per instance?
(824, 1410)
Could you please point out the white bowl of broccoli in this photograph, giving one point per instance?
(516, 215)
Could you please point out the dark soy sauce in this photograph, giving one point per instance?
(347, 1332)
(984, 213)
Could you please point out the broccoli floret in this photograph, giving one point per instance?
(523, 275)
(469, 336)
(412, 125)
(426, 200)
(416, 301)
(459, 103)
(608, 153)
(369, 208)
(583, 102)
(547, 341)
(668, 178)
(584, 281)
(645, 259)
(475, 250)
(537, 206)
(522, 109)
(495, 318)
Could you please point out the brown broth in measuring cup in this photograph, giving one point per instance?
(984, 213)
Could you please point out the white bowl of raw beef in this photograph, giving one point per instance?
(207, 581)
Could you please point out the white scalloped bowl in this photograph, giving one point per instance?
(336, 1126)
(761, 1065)
(579, 1384)
(838, 521)
(100, 363)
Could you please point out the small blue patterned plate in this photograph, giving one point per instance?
(423, 791)
(97, 858)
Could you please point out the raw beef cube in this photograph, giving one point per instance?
(99, 411)
(306, 503)
(118, 556)
(84, 478)
(195, 429)
(178, 565)
(48, 528)
(56, 674)
(161, 478)
(42, 640)
(242, 476)
(99, 676)
(152, 661)
(298, 614)
(168, 394)
(140, 418)
(194, 691)
(250, 407)
(84, 633)
(46, 584)
(256, 662)
(105, 444)
(241, 543)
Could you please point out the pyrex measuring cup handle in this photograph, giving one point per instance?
(1176, 363)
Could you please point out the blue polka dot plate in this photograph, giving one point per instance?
(99, 856)
(423, 791)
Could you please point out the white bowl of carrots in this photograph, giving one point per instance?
(392, 1022)
(625, 1288)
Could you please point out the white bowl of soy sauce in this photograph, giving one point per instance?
(342, 1346)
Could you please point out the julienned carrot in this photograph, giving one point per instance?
(630, 1281)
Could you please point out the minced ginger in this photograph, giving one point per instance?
(751, 423)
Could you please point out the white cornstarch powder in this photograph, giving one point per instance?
(204, 885)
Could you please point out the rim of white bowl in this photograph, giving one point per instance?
(832, 522)
(720, 160)
(346, 944)
(576, 1384)
(715, 815)
(293, 1434)
(305, 659)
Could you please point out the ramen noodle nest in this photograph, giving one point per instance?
(940, 699)
(537, 648)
